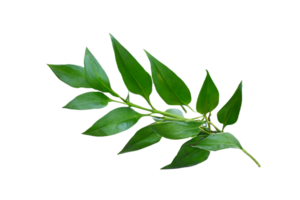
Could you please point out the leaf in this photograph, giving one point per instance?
(95, 74)
(229, 114)
(177, 130)
(188, 156)
(208, 98)
(136, 79)
(168, 85)
(215, 142)
(72, 75)
(89, 100)
(172, 111)
(115, 121)
(143, 138)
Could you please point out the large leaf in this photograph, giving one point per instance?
(219, 141)
(229, 114)
(177, 130)
(208, 98)
(136, 79)
(143, 138)
(115, 121)
(72, 75)
(168, 85)
(89, 100)
(188, 156)
(95, 74)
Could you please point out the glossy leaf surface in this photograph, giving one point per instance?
(188, 156)
(168, 85)
(229, 114)
(136, 79)
(142, 138)
(116, 121)
(95, 74)
(89, 100)
(177, 130)
(72, 75)
(215, 142)
(208, 98)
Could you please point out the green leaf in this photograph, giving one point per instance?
(72, 75)
(89, 100)
(208, 98)
(168, 85)
(177, 130)
(136, 79)
(229, 114)
(188, 156)
(219, 141)
(143, 138)
(115, 121)
(95, 75)
(175, 111)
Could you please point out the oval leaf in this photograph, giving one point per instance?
(177, 130)
(136, 79)
(229, 114)
(95, 74)
(208, 98)
(143, 138)
(72, 75)
(89, 100)
(115, 121)
(215, 142)
(168, 85)
(188, 156)
(175, 112)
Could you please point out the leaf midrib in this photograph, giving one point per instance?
(68, 73)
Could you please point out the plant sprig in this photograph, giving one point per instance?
(205, 135)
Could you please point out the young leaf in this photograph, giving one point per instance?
(89, 100)
(177, 130)
(188, 156)
(72, 75)
(143, 138)
(215, 142)
(136, 79)
(229, 114)
(95, 74)
(115, 121)
(208, 98)
(175, 111)
(168, 85)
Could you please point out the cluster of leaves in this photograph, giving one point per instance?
(169, 124)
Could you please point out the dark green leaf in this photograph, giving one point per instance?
(177, 130)
(188, 156)
(208, 98)
(143, 138)
(219, 141)
(72, 75)
(136, 79)
(89, 100)
(229, 114)
(168, 85)
(95, 75)
(115, 121)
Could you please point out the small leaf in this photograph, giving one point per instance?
(175, 112)
(128, 98)
(89, 100)
(136, 79)
(143, 138)
(72, 75)
(229, 114)
(115, 121)
(95, 74)
(168, 85)
(219, 141)
(188, 156)
(177, 130)
(208, 98)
